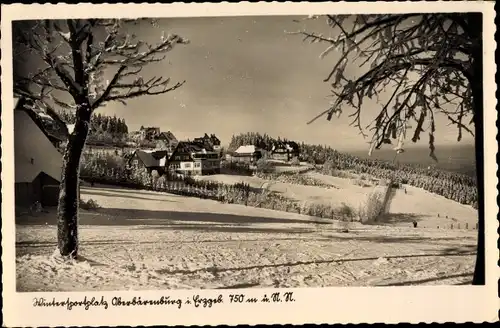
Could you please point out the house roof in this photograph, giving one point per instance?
(169, 136)
(247, 149)
(293, 145)
(215, 140)
(192, 147)
(288, 145)
(33, 151)
(212, 139)
(149, 128)
(44, 121)
(152, 158)
(157, 154)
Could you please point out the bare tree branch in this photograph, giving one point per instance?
(81, 72)
(395, 49)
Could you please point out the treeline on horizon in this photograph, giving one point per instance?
(113, 131)
(263, 141)
(458, 187)
(104, 129)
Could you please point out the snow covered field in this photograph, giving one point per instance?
(145, 240)
(342, 190)
(429, 210)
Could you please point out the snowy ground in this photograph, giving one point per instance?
(146, 240)
(429, 210)
(341, 191)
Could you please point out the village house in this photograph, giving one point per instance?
(149, 133)
(285, 150)
(37, 162)
(166, 141)
(211, 140)
(246, 154)
(194, 158)
(152, 160)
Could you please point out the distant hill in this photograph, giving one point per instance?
(456, 158)
(453, 176)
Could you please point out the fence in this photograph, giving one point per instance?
(453, 226)
(177, 187)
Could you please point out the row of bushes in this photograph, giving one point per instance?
(107, 169)
(450, 185)
(243, 194)
(239, 193)
(293, 177)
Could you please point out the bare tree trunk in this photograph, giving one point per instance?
(476, 23)
(67, 212)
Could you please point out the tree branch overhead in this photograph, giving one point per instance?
(395, 50)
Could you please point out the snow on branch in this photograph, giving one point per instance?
(77, 53)
(131, 58)
(424, 58)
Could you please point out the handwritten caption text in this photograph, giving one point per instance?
(195, 301)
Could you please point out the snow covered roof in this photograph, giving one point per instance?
(152, 158)
(289, 146)
(248, 149)
(33, 151)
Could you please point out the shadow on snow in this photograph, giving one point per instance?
(141, 217)
(127, 195)
(315, 262)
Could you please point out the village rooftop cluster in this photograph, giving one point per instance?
(38, 161)
(201, 156)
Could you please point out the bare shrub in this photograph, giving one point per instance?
(264, 166)
(373, 208)
(155, 176)
(318, 210)
(295, 161)
(346, 211)
(89, 204)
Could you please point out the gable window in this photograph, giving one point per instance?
(177, 158)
